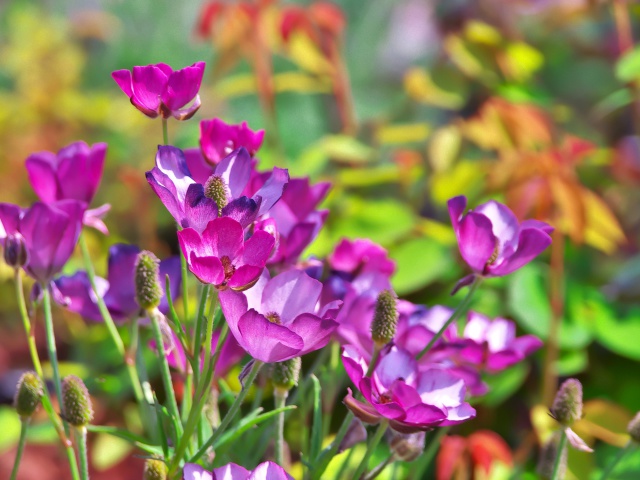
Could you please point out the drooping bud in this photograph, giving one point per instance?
(76, 403)
(385, 318)
(406, 446)
(28, 394)
(155, 469)
(284, 375)
(634, 428)
(15, 251)
(216, 189)
(148, 289)
(567, 406)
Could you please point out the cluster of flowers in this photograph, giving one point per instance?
(242, 231)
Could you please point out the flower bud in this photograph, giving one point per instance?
(634, 428)
(28, 393)
(406, 447)
(15, 251)
(216, 189)
(284, 375)
(385, 318)
(148, 289)
(76, 403)
(567, 406)
(155, 469)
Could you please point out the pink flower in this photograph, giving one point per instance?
(218, 139)
(231, 471)
(158, 90)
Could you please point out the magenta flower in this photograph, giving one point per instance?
(50, 232)
(221, 256)
(73, 173)
(231, 471)
(218, 139)
(118, 289)
(158, 90)
(280, 318)
(492, 241)
(413, 399)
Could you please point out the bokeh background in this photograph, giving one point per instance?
(401, 104)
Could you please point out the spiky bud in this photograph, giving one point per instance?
(15, 251)
(76, 403)
(155, 469)
(284, 375)
(148, 289)
(216, 189)
(634, 428)
(28, 394)
(567, 406)
(385, 318)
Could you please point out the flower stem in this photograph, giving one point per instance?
(375, 440)
(51, 342)
(454, 316)
(623, 451)
(320, 464)
(379, 468)
(24, 425)
(165, 132)
(197, 337)
(280, 399)
(556, 465)
(81, 439)
(185, 287)
(429, 453)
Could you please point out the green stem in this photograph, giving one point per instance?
(429, 453)
(51, 342)
(280, 399)
(185, 287)
(374, 360)
(81, 439)
(24, 425)
(375, 440)
(200, 325)
(623, 451)
(26, 323)
(165, 131)
(379, 468)
(320, 464)
(454, 316)
(561, 446)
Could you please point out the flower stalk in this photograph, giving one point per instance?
(373, 443)
(24, 425)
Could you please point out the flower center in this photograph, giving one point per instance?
(273, 317)
(385, 398)
(229, 268)
(494, 255)
(216, 189)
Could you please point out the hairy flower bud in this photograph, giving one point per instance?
(76, 403)
(155, 469)
(28, 393)
(567, 406)
(15, 251)
(634, 428)
(284, 375)
(216, 189)
(147, 279)
(385, 318)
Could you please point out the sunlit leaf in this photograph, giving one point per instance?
(444, 148)
(604, 420)
(465, 177)
(522, 60)
(108, 450)
(420, 86)
(400, 134)
(307, 56)
(420, 262)
(628, 66)
(603, 230)
(480, 32)
(10, 428)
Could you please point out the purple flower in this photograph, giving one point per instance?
(221, 256)
(73, 173)
(280, 318)
(492, 241)
(413, 399)
(118, 289)
(218, 139)
(50, 232)
(158, 90)
(231, 471)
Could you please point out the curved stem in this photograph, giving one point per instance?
(454, 316)
(375, 440)
(280, 398)
(24, 425)
(379, 468)
(51, 342)
(556, 465)
(81, 439)
(320, 464)
(623, 451)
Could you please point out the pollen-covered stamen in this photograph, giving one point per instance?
(273, 317)
(385, 398)
(216, 189)
(229, 268)
(494, 255)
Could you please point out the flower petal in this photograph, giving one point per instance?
(267, 341)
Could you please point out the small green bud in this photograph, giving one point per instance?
(216, 189)
(155, 469)
(385, 318)
(567, 406)
(76, 403)
(28, 393)
(15, 251)
(148, 289)
(285, 374)
(634, 428)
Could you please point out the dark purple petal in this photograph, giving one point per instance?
(272, 190)
(243, 210)
(199, 210)
(120, 299)
(476, 240)
(170, 266)
(267, 341)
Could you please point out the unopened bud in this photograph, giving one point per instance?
(76, 403)
(567, 406)
(148, 289)
(15, 251)
(216, 189)
(28, 394)
(155, 469)
(406, 446)
(634, 428)
(285, 374)
(385, 318)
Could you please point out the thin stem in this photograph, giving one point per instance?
(197, 338)
(165, 132)
(429, 453)
(454, 316)
(26, 322)
(379, 468)
(51, 342)
(81, 439)
(623, 451)
(24, 425)
(185, 287)
(321, 463)
(561, 446)
(280, 399)
(374, 360)
(375, 440)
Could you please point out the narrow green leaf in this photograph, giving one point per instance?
(316, 429)
(137, 440)
(249, 422)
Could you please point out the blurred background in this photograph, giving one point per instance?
(401, 104)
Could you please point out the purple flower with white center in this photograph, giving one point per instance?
(280, 318)
(159, 90)
(412, 399)
(491, 239)
(221, 257)
(218, 139)
(231, 471)
(50, 232)
(73, 173)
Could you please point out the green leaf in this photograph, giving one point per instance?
(108, 450)
(505, 384)
(316, 429)
(572, 362)
(620, 335)
(249, 422)
(628, 67)
(10, 428)
(421, 261)
(123, 434)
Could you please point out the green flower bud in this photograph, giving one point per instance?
(148, 289)
(155, 469)
(385, 318)
(28, 393)
(216, 189)
(634, 428)
(76, 403)
(284, 375)
(567, 406)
